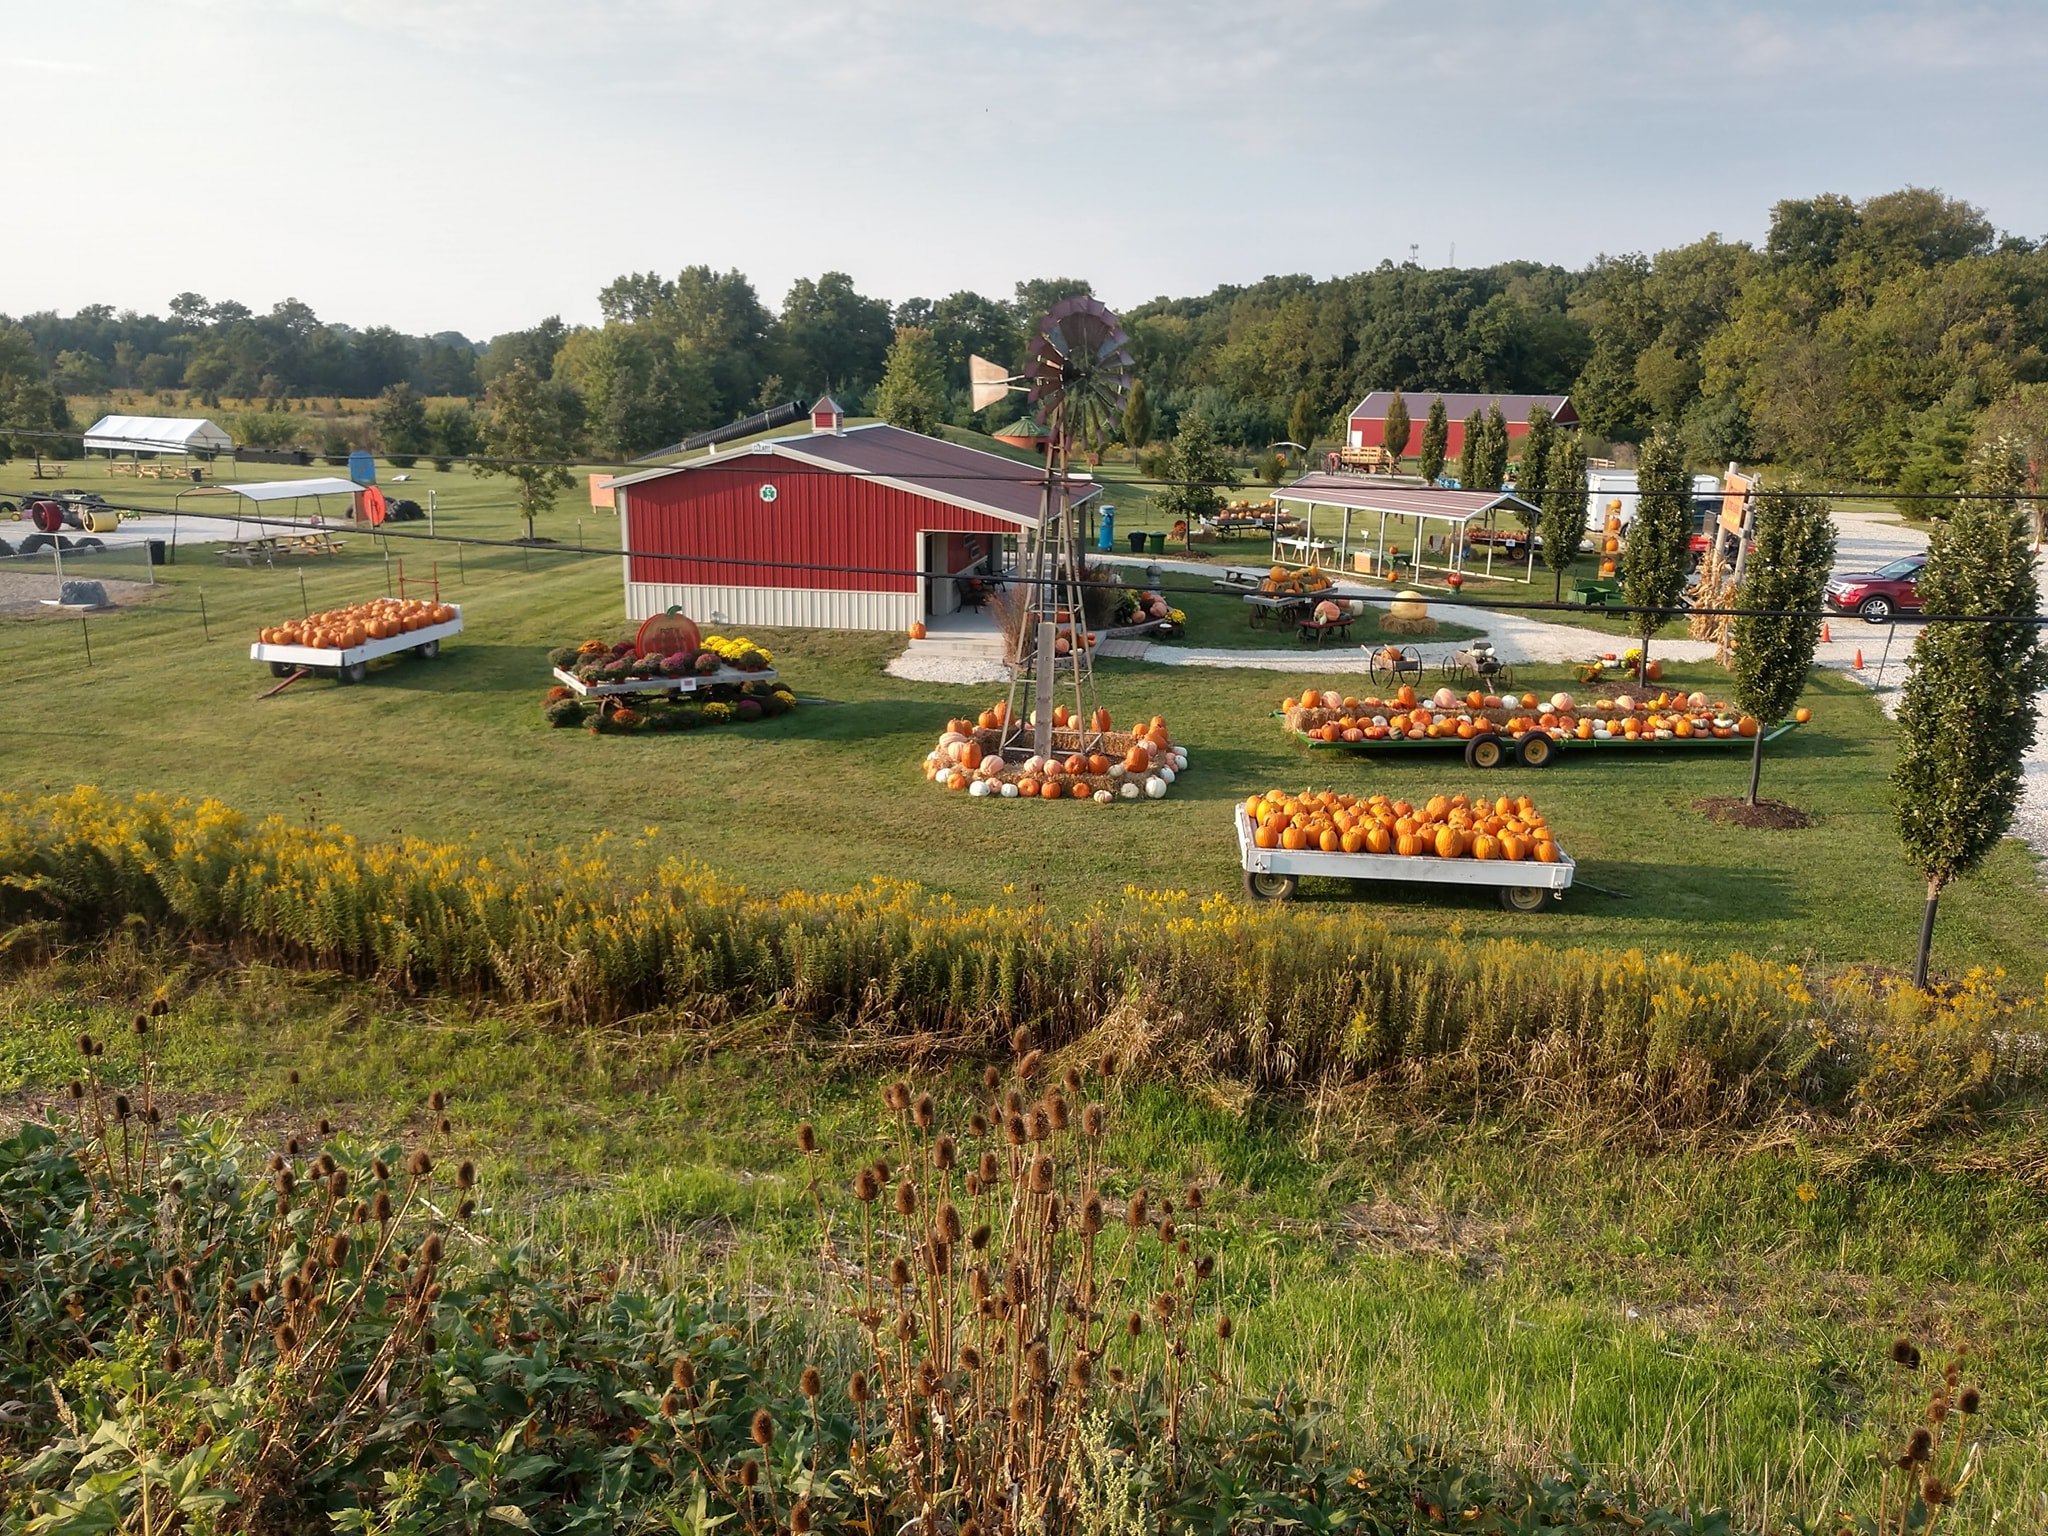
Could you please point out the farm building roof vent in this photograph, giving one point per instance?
(826, 416)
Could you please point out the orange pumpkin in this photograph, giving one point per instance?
(1137, 760)
(1267, 835)
(970, 756)
(1081, 790)
(1097, 763)
(1330, 840)
(1293, 838)
(1802, 715)
(1378, 840)
(1450, 842)
(1101, 715)
(917, 630)
(1076, 765)
(987, 720)
(1485, 846)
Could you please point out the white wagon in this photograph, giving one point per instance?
(1271, 874)
(352, 665)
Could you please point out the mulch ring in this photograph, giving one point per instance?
(1770, 815)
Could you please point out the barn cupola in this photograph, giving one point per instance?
(826, 416)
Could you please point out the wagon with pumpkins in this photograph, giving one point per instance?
(344, 641)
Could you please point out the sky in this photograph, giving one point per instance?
(477, 165)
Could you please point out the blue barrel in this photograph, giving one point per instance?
(1105, 537)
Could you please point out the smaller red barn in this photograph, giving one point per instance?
(1369, 417)
(867, 527)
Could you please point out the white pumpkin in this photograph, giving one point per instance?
(1129, 791)
(1032, 766)
(1116, 770)
(978, 789)
(1009, 791)
(1103, 797)
(1155, 787)
(1167, 773)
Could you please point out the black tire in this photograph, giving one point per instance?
(1485, 750)
(353, 672)
(1875, 610)
(1523, 898)
(428, 650)
(1269, 887)
(1535, 750)
(282, 669)
(9, 509)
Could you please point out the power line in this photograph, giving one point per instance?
(1455, 601)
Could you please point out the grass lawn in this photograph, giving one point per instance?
(1710, 1320)
(456, 749)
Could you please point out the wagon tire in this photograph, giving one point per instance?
(354, 672)
(427, 650)
(1485, 751)
(1261, 886)
(1523, 898)
(1535, 750)
(282, 669)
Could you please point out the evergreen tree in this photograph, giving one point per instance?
(1532, 475)
(1436, 433)
(530, 427)
(451, 432)
(1654, 562)
(1396, 438)
(1787, 569)
(1492, 466)
(1966, 713)
(1468, 453)
(1564, 506)
(1138, 419)
(1301, 420)
(401, 423)
(912, 394)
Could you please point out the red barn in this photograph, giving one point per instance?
(1369, 417)
(866, 527)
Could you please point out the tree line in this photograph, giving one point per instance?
(1874, 340)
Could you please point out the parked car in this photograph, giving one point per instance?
(1880, 595)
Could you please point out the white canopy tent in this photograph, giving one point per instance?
(264, 493)
(156, 434)
(1453, 513)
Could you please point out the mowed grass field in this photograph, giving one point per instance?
(832, 794)
(1708, 1318)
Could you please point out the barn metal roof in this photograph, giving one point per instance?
(1361, 493)
(1459, 406)
(945, 471)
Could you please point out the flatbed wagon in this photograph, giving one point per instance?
(351, 664)
(1535, 749)
(1272, 874)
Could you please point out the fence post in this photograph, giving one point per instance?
(204, 628)
(305, 608)
(387, 569)
(461, 575)
(85, 629)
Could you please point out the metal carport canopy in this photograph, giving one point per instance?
(291, 490)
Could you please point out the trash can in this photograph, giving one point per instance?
(1138, 542)
(157, 551)
(1155, 543)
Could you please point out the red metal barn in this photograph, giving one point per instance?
(1369, 417)
(866, 527)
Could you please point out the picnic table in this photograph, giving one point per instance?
(1238, 578)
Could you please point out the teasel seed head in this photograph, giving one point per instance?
(286, 1337)
(1041, 1175)
(1020, 1040)
(286, 1181)
(359, 1212)
(906, 1198)
(379, 1169)
(1091, 1214)
(949, 1221)
(1205, 1266)
(682, 1374)
(445, 1126)
(326, 1127)
(76, 1089)
(465, 1210)
(1970, 1400)
(1056, 1110)
(437, 1100)
(881, 1167)
(1093, 1119)
(1137, 1215)
(122, 1108)
(1014, 1130)
(810, 1383)
(465, 1176)
(430, 1250)
(1937, 1409)
(899, 1272)
(1224, 1327)
(924, 1112)
(177, 1279)
(1041, 1125)
(977, 1124)
(991, 1079)
(174, 1359)
(857, 1388)
(294, 1286)
(1038, 1362)
(970, 1358)
(1027, 1069)
(1919, 1445)
(337, 1184)
(800, 1519)
(1166, 1232)
(906, 1326)
(419, 1165)
(1079, 1370)
(945, 1153)
(895, 1096)
(990, 1170)
(1934, 1493)
(750, 1473)
(324, 1164)
(671, 1403)
(142, 1024)
(276, 1162)
(1905, 1352)
(158, 1008)
(1134, 1325)
(86, 1047)
(337, 1250)
(977, 1280)
(380, 1208)
(806, 1137)
(259, 1293)
(292, 1077)
(1163, 1304)
(864, 1187)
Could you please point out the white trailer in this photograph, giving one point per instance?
(1271, 874)
(353, 664)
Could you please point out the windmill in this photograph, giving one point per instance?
(1077, 374)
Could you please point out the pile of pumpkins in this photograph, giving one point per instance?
(341, 629)
(1333, 717)
(1444, 827)
(1289, 581)
(1091, 760)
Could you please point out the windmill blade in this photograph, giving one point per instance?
(987, 382)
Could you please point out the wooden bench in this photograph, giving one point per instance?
(1316, 631)
(250, 552)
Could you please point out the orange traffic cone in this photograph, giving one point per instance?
(1825, 637)
(1859, 658)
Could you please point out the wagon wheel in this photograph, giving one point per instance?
(353, 672)
(1485, 750)
(1451, 670)
(1410, 663)
(1384, 665)
(1535, 750)
(427, 650)
(1270, 887)
(282, 669)
(1523, 898)
(1503, 678)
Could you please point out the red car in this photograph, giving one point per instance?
(1879, 595)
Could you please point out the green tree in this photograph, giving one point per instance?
(913, 389)
(1967, 712)
(31, 405)
(1532, 475)
(529, 431)
(452, 432)
(401, 423)
(1492, 464)
(1564, 507)
(1654, 561)
(1138, 420)
(1782, 579)
(1197, 471)
(1436, 434)
(1396, 438)
(1301, 420)
(1469, 451)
